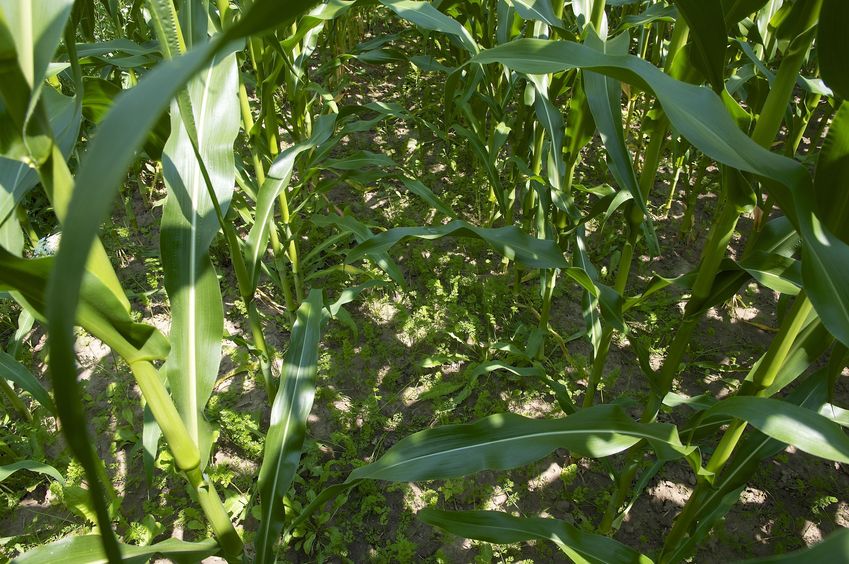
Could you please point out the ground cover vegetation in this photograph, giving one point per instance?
(461, 280)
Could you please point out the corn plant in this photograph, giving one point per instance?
(711, 124)
(236, 109)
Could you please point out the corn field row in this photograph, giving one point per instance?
(572, 121)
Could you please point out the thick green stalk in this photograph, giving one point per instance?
(597, 13)
(186, 455)
(216, 514)
(248, 124)
(276, 246)
(762, 378)
(791, 144)
(692, 194)
(781, 89)
(184, 449)
(657, 136)
(293, 248)
(713, 252)
(764, 375)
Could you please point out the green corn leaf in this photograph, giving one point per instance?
(509, 241)
(98, 98)
(502, 528)
(538, 10)
(805, 429)
(776, 272)
(833, 44)
(735, 10)
(505, 441)
(583, 10)
(425, 193)
(114, 46)
(316, 17)
(13, 370)
(603, 96)
(580, 119)
(363, 233)
(287, 430)
(347, 296)
(189, 224)
(100, 312)
(32, 466)
(707, 33)
(36, 28)
(698, 403)
(16, 177)
(832, 175)
(609, 300)
(359, 160)
(279, 176)
(700, 116)
(426, 16)
(552, 121)
(151, 433)
(833, 548)
(507, 22)
(653, 13)
(87, 550)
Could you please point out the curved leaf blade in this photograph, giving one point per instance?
(502, 528)
(13, 370)
(805, 429)
(287, 430)
(509, 241)
(87, 549)
(32, 466)
(504, 441)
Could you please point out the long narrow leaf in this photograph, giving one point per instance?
(805, 429)
(504, 441)
(189, 224)
(87, 550)
(287, 430)
(13, 370)
(509, 241)
(501, 528)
